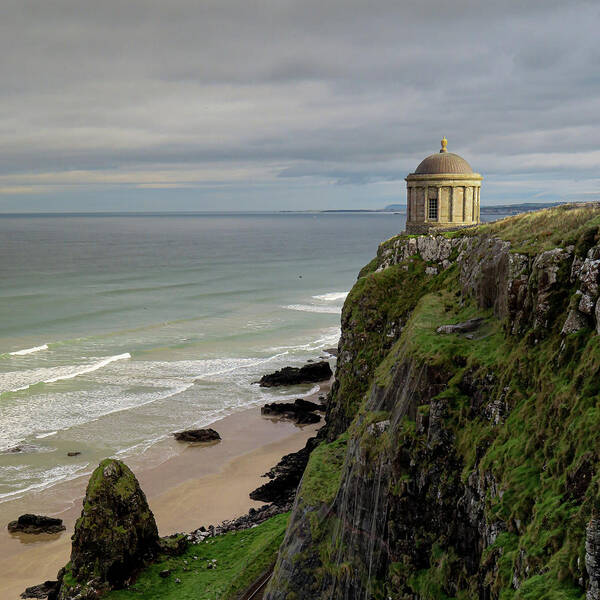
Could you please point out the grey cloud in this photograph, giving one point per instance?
(347, 91)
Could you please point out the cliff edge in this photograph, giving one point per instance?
(461, 462)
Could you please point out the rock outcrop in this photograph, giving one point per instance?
(44, 591)
(115, 536)
(36, 524)
(285, 476)
(309, 373)
(460, 466)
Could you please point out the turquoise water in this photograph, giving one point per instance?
(118, 330)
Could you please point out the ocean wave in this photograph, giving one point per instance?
(70, 374)
(331, 296)
(329, 337)
(28, 350)
(240, 366)
(315, 308)
(41, 436)
(49, 478)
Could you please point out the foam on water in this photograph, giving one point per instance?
(45, 478)
(41, 436)
(332, 296)
(28, 350)
(52, 374)
(315, 308)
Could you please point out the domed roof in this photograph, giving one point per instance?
(444, 162)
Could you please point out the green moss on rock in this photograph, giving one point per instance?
(115, 535)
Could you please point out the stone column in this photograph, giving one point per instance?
(473, 213)
(439, 202)
(426, 202)
(464, 206)
(451, 205)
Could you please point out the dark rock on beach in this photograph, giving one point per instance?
(301, 411)
(36, 524)
(197, 435)
(115, 536)
(285, 476)
(46, 591)
(309, 373)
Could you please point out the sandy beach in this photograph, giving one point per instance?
(197, 485)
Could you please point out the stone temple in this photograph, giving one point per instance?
(443, 192)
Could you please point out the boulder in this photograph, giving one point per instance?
(309, 373)
(115, 536)
(197, 435)
(36, 524)
(466, 326)
(73, 453)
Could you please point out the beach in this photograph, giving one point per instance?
(196, 485)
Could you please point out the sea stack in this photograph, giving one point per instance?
(115, 536)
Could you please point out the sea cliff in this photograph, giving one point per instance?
(460, 465)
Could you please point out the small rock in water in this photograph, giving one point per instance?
(73, 453)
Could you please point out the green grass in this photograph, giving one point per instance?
(321, 478)
(242, 556)
(545, 229)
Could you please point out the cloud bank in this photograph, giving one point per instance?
(242, 104)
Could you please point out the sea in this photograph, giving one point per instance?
(117, 330)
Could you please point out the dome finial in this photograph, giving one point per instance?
(444, 144)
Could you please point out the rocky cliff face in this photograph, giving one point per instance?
(461, 465)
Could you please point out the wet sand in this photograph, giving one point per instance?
(199, 485)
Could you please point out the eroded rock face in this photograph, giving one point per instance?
(115, 536)
(592, 558)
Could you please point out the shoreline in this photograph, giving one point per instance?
(194, 486)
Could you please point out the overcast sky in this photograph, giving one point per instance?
(292, 104)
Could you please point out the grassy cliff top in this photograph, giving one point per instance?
(536, 231)
(547, 228)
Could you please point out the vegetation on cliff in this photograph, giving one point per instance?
(461, 466)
